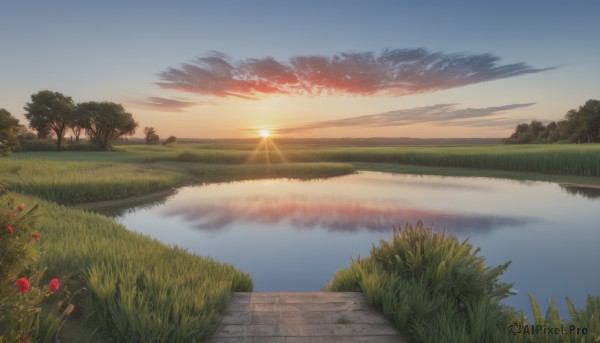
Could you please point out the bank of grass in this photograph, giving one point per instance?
(137, 288)
(70, 182)
(67, 178)
(473, 172)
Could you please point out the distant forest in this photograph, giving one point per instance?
(579, 126)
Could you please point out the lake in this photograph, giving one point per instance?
(294, 235)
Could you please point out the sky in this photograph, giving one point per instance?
(228, 69)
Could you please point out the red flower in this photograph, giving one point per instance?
(20, 207)
(53, 286)
(35, 236)
(9, 229)
(11, 216)
(23, 285)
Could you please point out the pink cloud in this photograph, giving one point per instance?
(392, 72)
(168, 105)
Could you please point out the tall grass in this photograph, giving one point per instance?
(432, 287)
(71, 182)
(549, 159)
(137, 288)
(582, 326)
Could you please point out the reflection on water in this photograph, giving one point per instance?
(587, 192)
(294, 235)
(333, 214)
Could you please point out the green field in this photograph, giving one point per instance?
(166, 292)
(581, 160)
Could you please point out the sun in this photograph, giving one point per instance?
(264, 133)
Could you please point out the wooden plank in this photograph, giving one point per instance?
(229, 340)
(304, 330)
(236, 318)
(292, 299)
(327, 339)
(308, 307)
(316, 317)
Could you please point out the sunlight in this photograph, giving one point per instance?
(266, 151)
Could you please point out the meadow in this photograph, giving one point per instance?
(138, 287)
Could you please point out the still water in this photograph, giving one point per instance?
(293, 235)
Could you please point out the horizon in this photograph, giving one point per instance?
(342, 70)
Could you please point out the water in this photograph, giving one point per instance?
(293, 235)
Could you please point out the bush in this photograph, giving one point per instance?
(432, 287)
(38, 145)
(171, 139)
(21, 317)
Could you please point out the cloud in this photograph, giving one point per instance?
(393, 72)
(165, 104)
(441, 114)
(332, 214)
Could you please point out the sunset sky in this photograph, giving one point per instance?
(228, 69)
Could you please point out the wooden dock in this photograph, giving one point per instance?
(332, 317)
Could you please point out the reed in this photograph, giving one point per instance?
(549, 159)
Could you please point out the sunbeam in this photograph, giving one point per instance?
(268, 149)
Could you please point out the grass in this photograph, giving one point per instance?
(582, 326)
(77, 177)
(432, 287)
(137, 288)
(472, 172)
(571, 160)
(69, 182)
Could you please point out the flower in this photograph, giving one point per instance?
(9, 229)
(11, 216)
(53, 286)
(35, 236)
(23, 285)
(20, 207)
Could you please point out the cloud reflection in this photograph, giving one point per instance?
(332, 214)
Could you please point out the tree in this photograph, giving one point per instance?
(171, 139)
(76, 127)
(579, 126)
(24, 133)
(104, 122)
(589, 118)
(8, 128)
(536, 127)
(50, 111)
(150, 135)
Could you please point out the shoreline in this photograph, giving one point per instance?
(128, 199)
(579, 185)
(171, 191)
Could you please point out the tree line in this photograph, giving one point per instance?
(580, 125)
(52, 114)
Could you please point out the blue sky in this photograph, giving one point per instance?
(119, 51)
